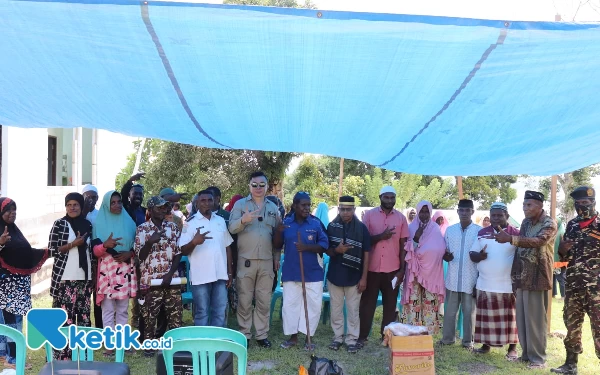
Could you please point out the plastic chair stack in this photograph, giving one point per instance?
(186, 297)
(204, 343)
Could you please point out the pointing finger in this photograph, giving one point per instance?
(208, 238)
(205, 233)
(118, 238)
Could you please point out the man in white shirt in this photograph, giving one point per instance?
(205, 240)
(461, 276)
(90, 194)
(496, 317)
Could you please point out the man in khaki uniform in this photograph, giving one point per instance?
(254, 219)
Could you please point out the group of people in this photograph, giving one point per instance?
(498, 276)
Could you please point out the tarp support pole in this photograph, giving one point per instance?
(341, 177)
(459, 185)
(553, 187)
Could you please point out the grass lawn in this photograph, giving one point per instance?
(373, 359)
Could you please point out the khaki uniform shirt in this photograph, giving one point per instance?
(255, 239)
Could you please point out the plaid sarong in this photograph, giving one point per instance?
(496, 319)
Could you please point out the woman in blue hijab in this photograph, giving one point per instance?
(114, 236)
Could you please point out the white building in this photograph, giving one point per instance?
(39, 167)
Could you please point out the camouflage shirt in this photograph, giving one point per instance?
(584, 257)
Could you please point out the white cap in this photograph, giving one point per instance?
(89, 187)
(387, 189)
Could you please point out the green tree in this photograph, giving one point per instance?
(486, 190)
(566, 183)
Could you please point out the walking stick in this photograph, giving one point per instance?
(304, 294)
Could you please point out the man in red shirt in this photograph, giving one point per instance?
(389, 231)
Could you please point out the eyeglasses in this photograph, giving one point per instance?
(257, 185)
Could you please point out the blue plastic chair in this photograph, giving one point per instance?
(187, 297)
(325, 312)
(203, 351)
(197, 332)
(84, 355)
(19, 340)
(278, 293)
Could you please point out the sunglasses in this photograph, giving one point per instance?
(257, 185)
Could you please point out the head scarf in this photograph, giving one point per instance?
(120, 225)
(18, 256)
(445, 223)
(80, 225)
(408, 213)
(323, 213)
(234, 199)
(425, 262)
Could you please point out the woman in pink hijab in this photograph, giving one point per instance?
(424, 288)
(441, 220)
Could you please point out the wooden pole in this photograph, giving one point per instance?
(304, 294)
(553, 188)
(460, 188)
(341, 177)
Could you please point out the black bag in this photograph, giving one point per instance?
(324, 366)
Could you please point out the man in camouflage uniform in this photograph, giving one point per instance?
(581, 248)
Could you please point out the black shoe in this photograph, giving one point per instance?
(264, 343)
(570, 366)
(247, 343)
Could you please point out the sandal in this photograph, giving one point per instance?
(352, 349)
(360, 343)
(288, 344)
(335, 346)
(108, 354)
(310, 347)
(512, 356)
(149, 353)
(485, 349)
(517, 359)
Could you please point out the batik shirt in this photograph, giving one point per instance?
(160, 259)
(583, 270)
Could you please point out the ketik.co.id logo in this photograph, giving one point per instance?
(44, 326)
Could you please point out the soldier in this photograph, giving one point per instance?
(581, 248)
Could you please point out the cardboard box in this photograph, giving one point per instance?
(412, 355)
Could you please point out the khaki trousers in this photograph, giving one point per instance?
(254, 283)
(351, 295)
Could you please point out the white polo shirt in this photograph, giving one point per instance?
(208, 262)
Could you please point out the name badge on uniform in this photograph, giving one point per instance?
(310, 237)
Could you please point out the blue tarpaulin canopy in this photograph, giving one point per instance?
(418, 94)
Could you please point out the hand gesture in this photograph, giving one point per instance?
(111, 242)
(166, 280)
(282, 227)
(250, 215)
(482, 254)
(300, 246)
(419, 231)
(342, 247)
(199, 238)
(79, 240)
(5, 237)
(448, 256)
(123, 257)
(388, 233)
(137, 177)
(156, 236)
(502, 236)
(229, 281)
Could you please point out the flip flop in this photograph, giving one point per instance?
(310, 347)
(512, 356)
(352, 349)
(335, 346)
(288, 344)
(108, 354)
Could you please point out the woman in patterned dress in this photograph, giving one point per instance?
(18, 260)
(71, 285)
(116, 283)
(424, 288)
